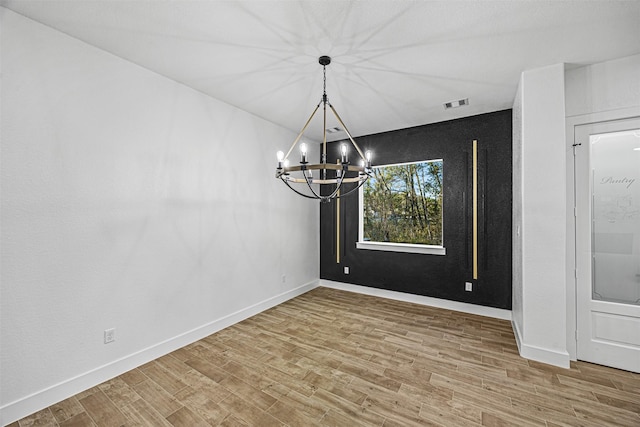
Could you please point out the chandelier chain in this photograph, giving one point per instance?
(324, 82)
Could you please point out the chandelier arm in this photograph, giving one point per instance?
(338, 186)
(351, 191)
(347, 132)
(306, 178)
(318, 197)
(298, 192)
(302, 131)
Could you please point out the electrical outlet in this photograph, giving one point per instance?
(468, 286)
(109, 335)
(284, 278)
(346, 270)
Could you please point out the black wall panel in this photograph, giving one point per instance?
(441, 276)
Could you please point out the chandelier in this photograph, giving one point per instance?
(324, 181)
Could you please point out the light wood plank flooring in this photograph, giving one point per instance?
(336, 358)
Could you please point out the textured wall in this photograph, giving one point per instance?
(123, 207)
(435, 275)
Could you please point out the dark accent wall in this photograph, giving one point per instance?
(440, 276)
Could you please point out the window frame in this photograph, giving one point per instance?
(392, 246)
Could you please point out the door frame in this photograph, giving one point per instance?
(571, 251)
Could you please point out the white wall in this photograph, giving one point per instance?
(132, 202)
(594, 93)
(607, 86)
(539, 300)
(548, 98)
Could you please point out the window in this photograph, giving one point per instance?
(401, 208)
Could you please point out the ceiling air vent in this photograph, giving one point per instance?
(456, 104)
(333, 130)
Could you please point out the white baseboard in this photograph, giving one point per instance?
(517, 334)
(35, 402)
(545, 355)
(464, 307)
(539, 354)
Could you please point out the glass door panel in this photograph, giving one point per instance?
(615, 238)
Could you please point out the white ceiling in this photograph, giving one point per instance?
(394, 62)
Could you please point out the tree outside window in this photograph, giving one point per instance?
(403, 204)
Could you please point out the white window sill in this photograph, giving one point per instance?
(402, 247)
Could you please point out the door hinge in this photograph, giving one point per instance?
(575, 273)
(576, 335)
(575, 211)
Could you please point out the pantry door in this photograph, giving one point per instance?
(607, 185)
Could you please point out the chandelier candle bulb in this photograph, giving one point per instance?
(343, 149)
(280, 156)
(303, 153)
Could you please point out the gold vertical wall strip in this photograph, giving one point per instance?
(338, 228)
(475, 209)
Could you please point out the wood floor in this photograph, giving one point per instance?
(336, 358)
